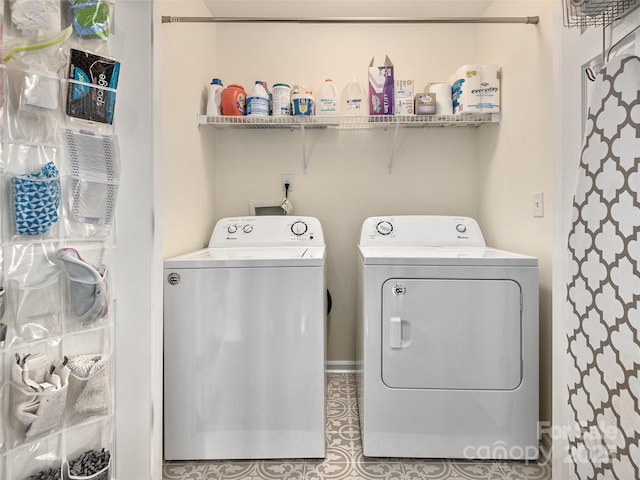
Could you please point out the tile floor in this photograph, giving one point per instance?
(344, 459)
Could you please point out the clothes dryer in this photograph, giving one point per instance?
(447, 342)
(244, 349)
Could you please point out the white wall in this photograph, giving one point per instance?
(481, 172)
(136, 257)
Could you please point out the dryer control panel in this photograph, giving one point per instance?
(422, 230)
(267, 231)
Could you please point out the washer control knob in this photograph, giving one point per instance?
(232, 229)
(461, 228)
(384, 227)
(247, 228)
(299, 228)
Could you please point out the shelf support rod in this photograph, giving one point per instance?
(305, 160)
(533, 20)
(394, 144)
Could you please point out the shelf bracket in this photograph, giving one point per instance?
(305, 160)
(394, 145)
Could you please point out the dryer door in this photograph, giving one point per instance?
(451, 334)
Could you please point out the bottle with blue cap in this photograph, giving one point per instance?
(214, 92)
(258, 101)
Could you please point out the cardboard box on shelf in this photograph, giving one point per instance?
(381, 88)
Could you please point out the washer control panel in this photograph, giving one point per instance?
(422, 230)
(266, 231)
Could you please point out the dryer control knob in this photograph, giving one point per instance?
(247, 228)
(384, 227)
(232, 229)
(299, 228)
(461, 228)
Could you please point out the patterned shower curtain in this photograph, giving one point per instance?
(603, 290)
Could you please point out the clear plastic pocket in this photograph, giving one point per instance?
(91, 103)
(73, 470)
(93, 202)
(38, 395)
(37, 414)
(88, 451)
(36, 201)
(86, 289)
(36, 307)
(3, 409)
(89, 387)
(41, 459)
(34, 105)
(91, 190)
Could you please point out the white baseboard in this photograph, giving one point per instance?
(340, 366)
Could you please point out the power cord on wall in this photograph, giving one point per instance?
(286, 205)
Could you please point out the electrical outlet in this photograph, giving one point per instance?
(287, 178)
(538, 204)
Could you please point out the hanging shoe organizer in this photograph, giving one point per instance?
(59, 172)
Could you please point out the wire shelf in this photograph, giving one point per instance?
(594, 13)
(350, 123)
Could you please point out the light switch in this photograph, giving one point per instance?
(538, 204)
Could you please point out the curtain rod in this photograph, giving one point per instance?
(346, 20)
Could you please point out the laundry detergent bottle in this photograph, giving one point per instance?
(327, 102)
(234, 100)
(214, 98)
(258, 101)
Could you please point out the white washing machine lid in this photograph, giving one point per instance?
(254, 257)
(426, 256)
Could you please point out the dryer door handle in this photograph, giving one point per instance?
(395, 332)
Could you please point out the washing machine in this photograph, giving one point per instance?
(447, 342)
(244, 348)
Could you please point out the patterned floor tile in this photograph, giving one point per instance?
(477, 470)
(338, 408)
(352, 405)
(183, 470)
(371, 470)
(258, 470)
(337, 465)
(531, 471)
(346, 438)
(337, 385)
(427, 470)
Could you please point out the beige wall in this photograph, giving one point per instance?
(487, 172)
(188, 61)
(516, 159)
